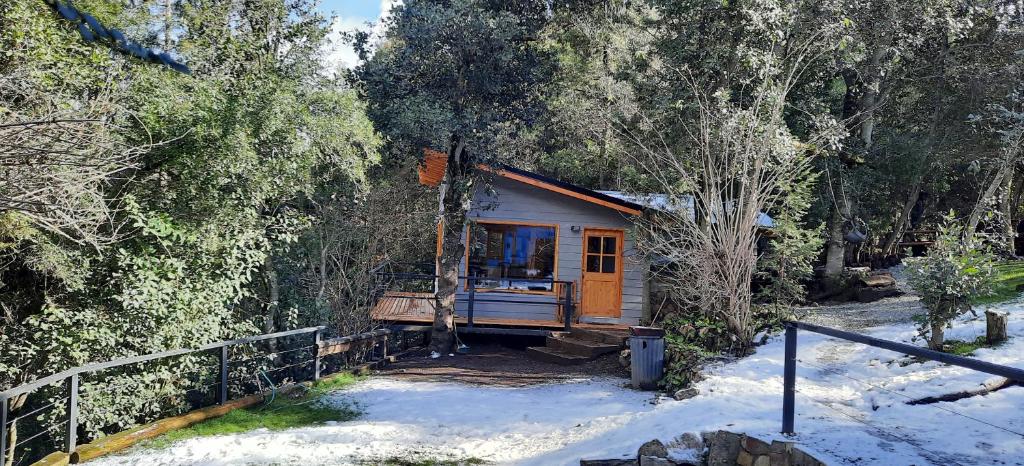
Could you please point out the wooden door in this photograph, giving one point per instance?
(602, 273)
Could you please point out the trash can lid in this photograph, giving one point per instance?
(646, 331)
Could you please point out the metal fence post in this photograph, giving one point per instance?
(789, 381)
(4, 403)
(567, 308)
(469, 305)
(222, 393)
(71, 436)
(317, 338)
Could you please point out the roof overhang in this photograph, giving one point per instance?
(432, 169)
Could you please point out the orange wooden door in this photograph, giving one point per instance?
(602, 273)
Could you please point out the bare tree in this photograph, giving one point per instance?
(735, 163)
(57, 165)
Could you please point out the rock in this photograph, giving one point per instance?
(754, 446)
(686, 393)
(690, 441)
(723, 447)
(624, 358)
(655, 461)
(762, 461)
(744, 459)
(653, 448)
(870, 295)
(613, 462)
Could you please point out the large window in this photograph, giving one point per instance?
(512, 257)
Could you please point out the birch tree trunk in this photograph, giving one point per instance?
(454, 199)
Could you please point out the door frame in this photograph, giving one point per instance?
(621, 234)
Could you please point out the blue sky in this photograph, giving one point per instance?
(369, 9)
(349, 15)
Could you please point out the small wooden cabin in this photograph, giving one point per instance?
(532, 241)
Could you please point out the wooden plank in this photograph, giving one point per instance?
(122, 440)
(513, 323)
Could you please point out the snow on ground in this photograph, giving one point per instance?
(850, 410)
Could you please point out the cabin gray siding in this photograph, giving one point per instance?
(515, 201)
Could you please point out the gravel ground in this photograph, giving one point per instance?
(859, 316)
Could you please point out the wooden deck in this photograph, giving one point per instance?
(411, 309)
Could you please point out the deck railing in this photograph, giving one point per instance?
(242, 366)
(564, 292)
(789, 370)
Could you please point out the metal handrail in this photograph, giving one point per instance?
(567, 300)
(39, 383)
(789, 369)
(71, 377)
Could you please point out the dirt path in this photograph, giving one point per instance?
(495, 365)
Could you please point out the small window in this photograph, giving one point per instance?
(609, 245)
(608, 264)
(602, 254)
(512, 257)
(593, 263)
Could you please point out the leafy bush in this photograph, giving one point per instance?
(949, 278)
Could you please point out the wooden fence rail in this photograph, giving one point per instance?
(70, 379)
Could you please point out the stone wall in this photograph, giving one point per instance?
(719, 448)
(726, 448)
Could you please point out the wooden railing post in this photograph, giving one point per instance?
(471, 283)
(789, 381)
(317, 338)
(567, 307)
(71, 436)
(222, 393)
(4, 406)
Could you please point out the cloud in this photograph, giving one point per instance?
(339, 53)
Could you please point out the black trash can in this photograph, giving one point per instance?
(646, 356)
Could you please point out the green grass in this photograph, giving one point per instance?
(283, 413)
(1010, 275)
(964, 348)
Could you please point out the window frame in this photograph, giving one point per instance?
(554, 273)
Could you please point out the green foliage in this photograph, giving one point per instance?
(469, 69)
(792, 246)
(283, 413)
(953, 274)
(230, 165)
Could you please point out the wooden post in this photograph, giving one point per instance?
(317, 337)
(71, 436)
(222, 393)
(471, 283)
(789, 381)
(995, 327)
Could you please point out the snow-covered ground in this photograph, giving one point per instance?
(850, 410)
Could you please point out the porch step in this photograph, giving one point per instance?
(600, 336)
(577, 347)
(543, 353)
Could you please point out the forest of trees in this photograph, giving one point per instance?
(142, 209)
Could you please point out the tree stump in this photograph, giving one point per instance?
(995, 327)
